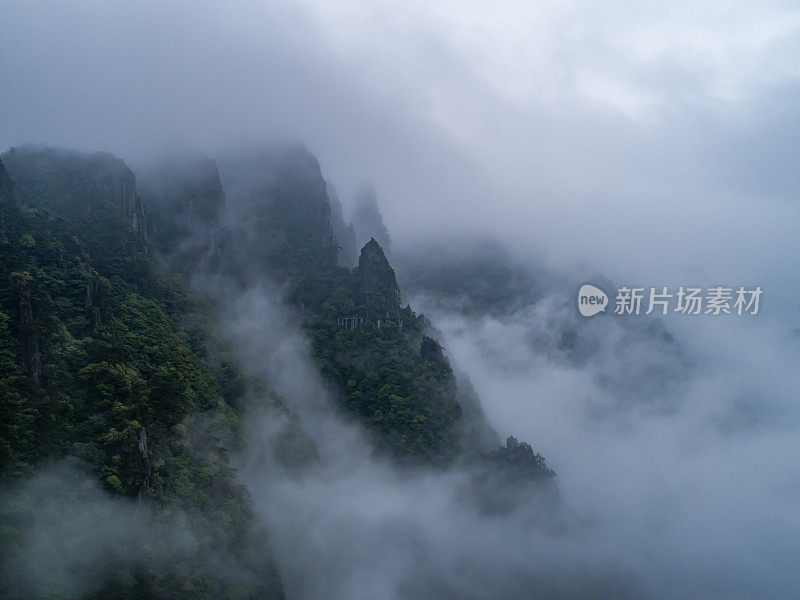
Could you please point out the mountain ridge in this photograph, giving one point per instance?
(109, 355)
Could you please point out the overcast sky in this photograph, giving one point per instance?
(655, 141)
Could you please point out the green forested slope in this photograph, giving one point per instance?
(103, 356)
(106, 354)
(277, 226)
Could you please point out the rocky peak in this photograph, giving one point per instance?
(379, 292)
(300, 178)
(119, 182)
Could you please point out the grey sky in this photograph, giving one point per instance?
(564, 127)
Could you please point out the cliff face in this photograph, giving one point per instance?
(284, 185)
(189, 187)
(302, 191)
(28, 333)
(9, 195)
(115, 180)
(19, 282)
(378, 290)
(75, 185)
(281, 221)
(343, 233)
(278, 219)
(103, 357)
(185, 203)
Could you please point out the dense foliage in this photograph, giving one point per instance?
(388, 374)
(108, 357)
(105, 356)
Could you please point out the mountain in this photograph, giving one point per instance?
(106, 357)
(75, 186)
(112, 354)
(380, 359)
(477, 281)
(195, 205)
(344, 233)
(382, 368)
(378, 291)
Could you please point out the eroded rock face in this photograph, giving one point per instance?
(116, 180)
(184, 201)
(378, 288)
(278, 217)
(9, 194)
(145, 465)
(69, 184)
(30, 338)
(283, 186)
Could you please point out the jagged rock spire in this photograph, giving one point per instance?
(378, 290)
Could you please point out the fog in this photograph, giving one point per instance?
(677, 450)
(705, 493)
(67, 538)
(570, 129)
(653, 145)
(352, 525)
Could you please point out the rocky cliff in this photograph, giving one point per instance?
(106, 357)
(284, 184)
(282, 222)
(185, 202)
(278, 218)
(343, 233)
(378, 290)
(71, 184)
